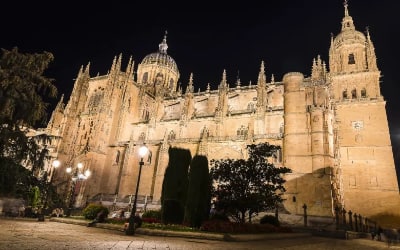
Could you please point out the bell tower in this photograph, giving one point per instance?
(365, 175)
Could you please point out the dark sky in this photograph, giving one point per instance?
(204, 37)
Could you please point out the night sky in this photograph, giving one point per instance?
(203, 37)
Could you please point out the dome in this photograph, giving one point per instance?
(158, 71)
(160, 59)
(349, 37)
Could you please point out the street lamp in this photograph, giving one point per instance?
(77, 176)
(131, 228)
(55, 164)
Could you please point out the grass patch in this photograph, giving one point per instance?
(159, 226)
(169, 227)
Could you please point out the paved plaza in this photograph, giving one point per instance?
(22, 234)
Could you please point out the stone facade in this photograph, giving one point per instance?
(332, 127)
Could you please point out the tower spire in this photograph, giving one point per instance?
(190, 88)
(261, 75)
(223, 83)
(347, 22)
(238, 80)
(367, 31)
(163, 46)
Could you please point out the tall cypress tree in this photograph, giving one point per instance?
(175, 184)
(199, 192)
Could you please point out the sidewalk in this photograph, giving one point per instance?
(193, 235)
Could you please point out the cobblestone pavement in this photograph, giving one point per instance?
(22, 234)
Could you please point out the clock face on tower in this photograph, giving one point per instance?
(357, 124)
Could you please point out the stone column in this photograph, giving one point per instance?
(305, 214)
(351, 220)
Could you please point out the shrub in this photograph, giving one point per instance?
(90, 212)
(154, 214)
(150, 220)
(270, 219)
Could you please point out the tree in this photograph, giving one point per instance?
(23, 88)
(248, 186)
(198, 196)
(175, 184)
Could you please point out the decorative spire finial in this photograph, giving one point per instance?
(347, 21)
(346, 4)
(367, 31)
(262, 67)
(163, 45)
(261, 75)
(190, 87)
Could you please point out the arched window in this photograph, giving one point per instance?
(145, 77)
(142, 136)
(150, 154)
(363, 93)
(117, 156)
(205, 132)
(353, 94)
(345, 94)
(351, 59)
(171, 83)
(250, 106)
(279, 155)
(281, 129)
(242, 132)
(171, 135)
(159, 78)
(146, 113)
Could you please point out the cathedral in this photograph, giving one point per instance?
(332, 128)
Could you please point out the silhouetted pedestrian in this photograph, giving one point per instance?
(373, 234)
(379, 232)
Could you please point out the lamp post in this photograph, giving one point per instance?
(131, 228)
(55, 164)
(77, 176)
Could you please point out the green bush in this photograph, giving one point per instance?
(155, 214)
(90, 212)
(270, 219)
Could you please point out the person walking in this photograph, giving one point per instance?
(378, 233)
